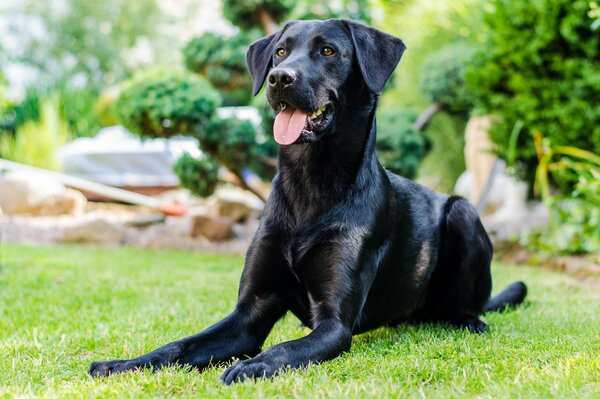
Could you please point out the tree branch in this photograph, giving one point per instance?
(242, 183)
(426, 116)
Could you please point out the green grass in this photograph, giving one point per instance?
(63, 307)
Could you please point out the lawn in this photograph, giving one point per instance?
(63, 307)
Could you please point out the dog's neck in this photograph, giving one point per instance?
(316, 176)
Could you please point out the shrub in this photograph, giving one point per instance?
(399, 146)
(443, 77)
(77, 108)
(233, 142)
(163, 103)
(27, 110)
(350, 9)
(539, 67)
(222, 61)
(36, 141)
(200, 176)
(247, 14)
(575, 217)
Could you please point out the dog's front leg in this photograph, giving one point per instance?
(261, 302)
(337, 284)
(328, 340)
(226, 339)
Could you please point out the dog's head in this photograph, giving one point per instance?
(306, 65)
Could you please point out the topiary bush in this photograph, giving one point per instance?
(163, 103)
(233, 142)
(222, 61)
(400, 147)
(443, 77)
(351, 9)
(200, 176)
(247, 14)
(539, 66)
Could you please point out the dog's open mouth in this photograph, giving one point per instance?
(292, 123)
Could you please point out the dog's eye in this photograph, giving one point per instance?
(280, 52)
(327, 51)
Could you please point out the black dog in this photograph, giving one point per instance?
(343, 244)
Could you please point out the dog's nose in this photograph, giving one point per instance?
(282, 77)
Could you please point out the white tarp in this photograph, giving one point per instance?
(119, 158)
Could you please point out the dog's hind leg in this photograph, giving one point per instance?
(461, 283)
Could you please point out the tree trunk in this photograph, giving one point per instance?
(266, 21)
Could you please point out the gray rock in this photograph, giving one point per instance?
(96, 231)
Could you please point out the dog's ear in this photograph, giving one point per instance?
(377, 54)
(260, 58)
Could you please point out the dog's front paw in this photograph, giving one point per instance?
(249, 369)
(103, 369)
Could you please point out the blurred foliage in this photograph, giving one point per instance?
(222, 61)
(247, 14)
(443, 78)
(359, 10)
(76, 107)
(267, 116)
(594, 13)
(26, 110)
(574, 217)
(200, 176)
(442, 166)
(105, 108)
(83, 42)
(36, 141)
(540, 66)
(400, 148)
(234, 143)
(426, 26)
(166, 102)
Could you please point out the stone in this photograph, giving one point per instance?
(28, 193)
(214, 228)
(236, 204)
(479, 156)
(95, 231)
(143, 221)
(507, 213)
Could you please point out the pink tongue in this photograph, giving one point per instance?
(288, 126)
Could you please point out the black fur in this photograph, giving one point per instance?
(343, 244)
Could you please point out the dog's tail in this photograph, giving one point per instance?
(511, 296)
